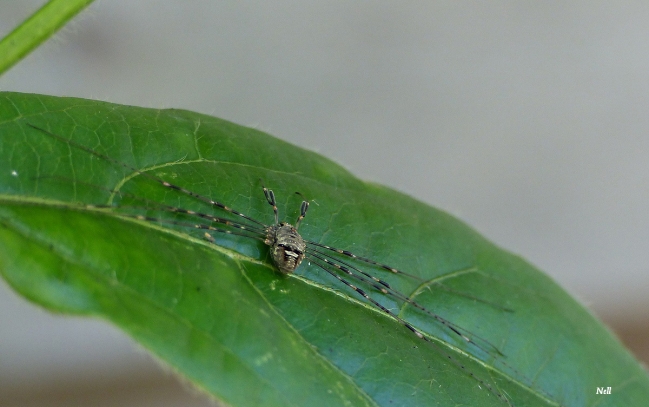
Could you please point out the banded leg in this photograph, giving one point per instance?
(256, 236)
(364, 259)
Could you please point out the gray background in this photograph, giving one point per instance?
(528, 120)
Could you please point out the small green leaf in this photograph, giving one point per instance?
(223, 316)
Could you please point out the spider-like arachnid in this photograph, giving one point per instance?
(288, 249)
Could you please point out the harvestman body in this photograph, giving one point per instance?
(288, 249)
(286, 245)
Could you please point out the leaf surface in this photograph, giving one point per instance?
(222, 315)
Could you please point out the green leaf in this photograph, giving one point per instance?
(223, 316)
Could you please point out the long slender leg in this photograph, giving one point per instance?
(364, 259)
(250, 234)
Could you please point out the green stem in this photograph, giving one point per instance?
(36, 29)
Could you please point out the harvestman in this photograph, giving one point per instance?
(288, 249)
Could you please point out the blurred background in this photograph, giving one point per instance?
(528, 120)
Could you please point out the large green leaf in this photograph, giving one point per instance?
(224, 317)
